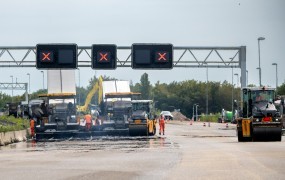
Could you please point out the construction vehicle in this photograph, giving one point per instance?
(12, 109)
(226, 116)
(97, 87)
(260, 120)
(117, 111)
(142, 121)
(56, 116)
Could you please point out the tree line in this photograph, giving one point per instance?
(175, 95)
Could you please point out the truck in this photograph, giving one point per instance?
(261, 118)
(12, 109)
(226, 116)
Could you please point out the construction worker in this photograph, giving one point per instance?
(161, 124)
(32, 126)
(88, 121)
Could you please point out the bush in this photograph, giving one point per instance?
(210, 117)
(10, 123)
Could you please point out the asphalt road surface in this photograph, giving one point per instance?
(185, 152)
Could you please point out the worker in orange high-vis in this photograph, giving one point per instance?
(88, 121)
(32, 126)
(161, 124)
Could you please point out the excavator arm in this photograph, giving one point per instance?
(97, 87)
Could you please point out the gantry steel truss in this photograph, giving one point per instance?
(184, 57)
(15, 86)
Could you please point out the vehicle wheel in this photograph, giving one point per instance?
(240, 137)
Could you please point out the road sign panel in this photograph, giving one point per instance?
(152, 56)
(56, 56)
(104, 56)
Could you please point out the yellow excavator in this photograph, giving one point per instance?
(97, 87)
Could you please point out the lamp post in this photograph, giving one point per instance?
(246, 77)
(236, 74)
(258, 71)
(259, 39)
(29, 82)
(43, 79)
(275, 64)
(193, 116)
(197, 112)
(207, 93)
(232, 89)
(79, 86)
(12, 87)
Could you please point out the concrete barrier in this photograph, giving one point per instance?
(13, 136)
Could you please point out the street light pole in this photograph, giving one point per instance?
(246, 77)
(197, 112)
(259, 39)
(12, 87)
(29, 83)
(79, 86)
(43, 79)
(236, 74)
(275, 64)
(207, 93)
(232, 89)
(193, 116)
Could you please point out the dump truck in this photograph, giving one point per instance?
(143, 120)
(261, 118)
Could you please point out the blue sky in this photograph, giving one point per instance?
(124, 22)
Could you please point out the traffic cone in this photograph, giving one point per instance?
(204, 124)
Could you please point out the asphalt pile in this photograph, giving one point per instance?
(179, 116)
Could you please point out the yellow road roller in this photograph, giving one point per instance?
(261, 115)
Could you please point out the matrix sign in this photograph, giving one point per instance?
(104, 56)
(56, 56)
(152, 56)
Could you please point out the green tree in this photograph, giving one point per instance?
(145, 86)
(281, 89)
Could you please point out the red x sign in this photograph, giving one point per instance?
(162, 56)
(103, 57)
(46, 56)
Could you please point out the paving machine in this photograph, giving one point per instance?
(142, 121)
(56, 116)
(261, 117)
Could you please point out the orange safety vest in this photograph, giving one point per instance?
(32, 123)
(88, 118)
(161, 121)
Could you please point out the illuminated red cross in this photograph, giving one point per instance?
(46, 56)
(161, 56)
(103, 57)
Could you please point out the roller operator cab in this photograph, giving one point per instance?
(261, 117)
(142, 121)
